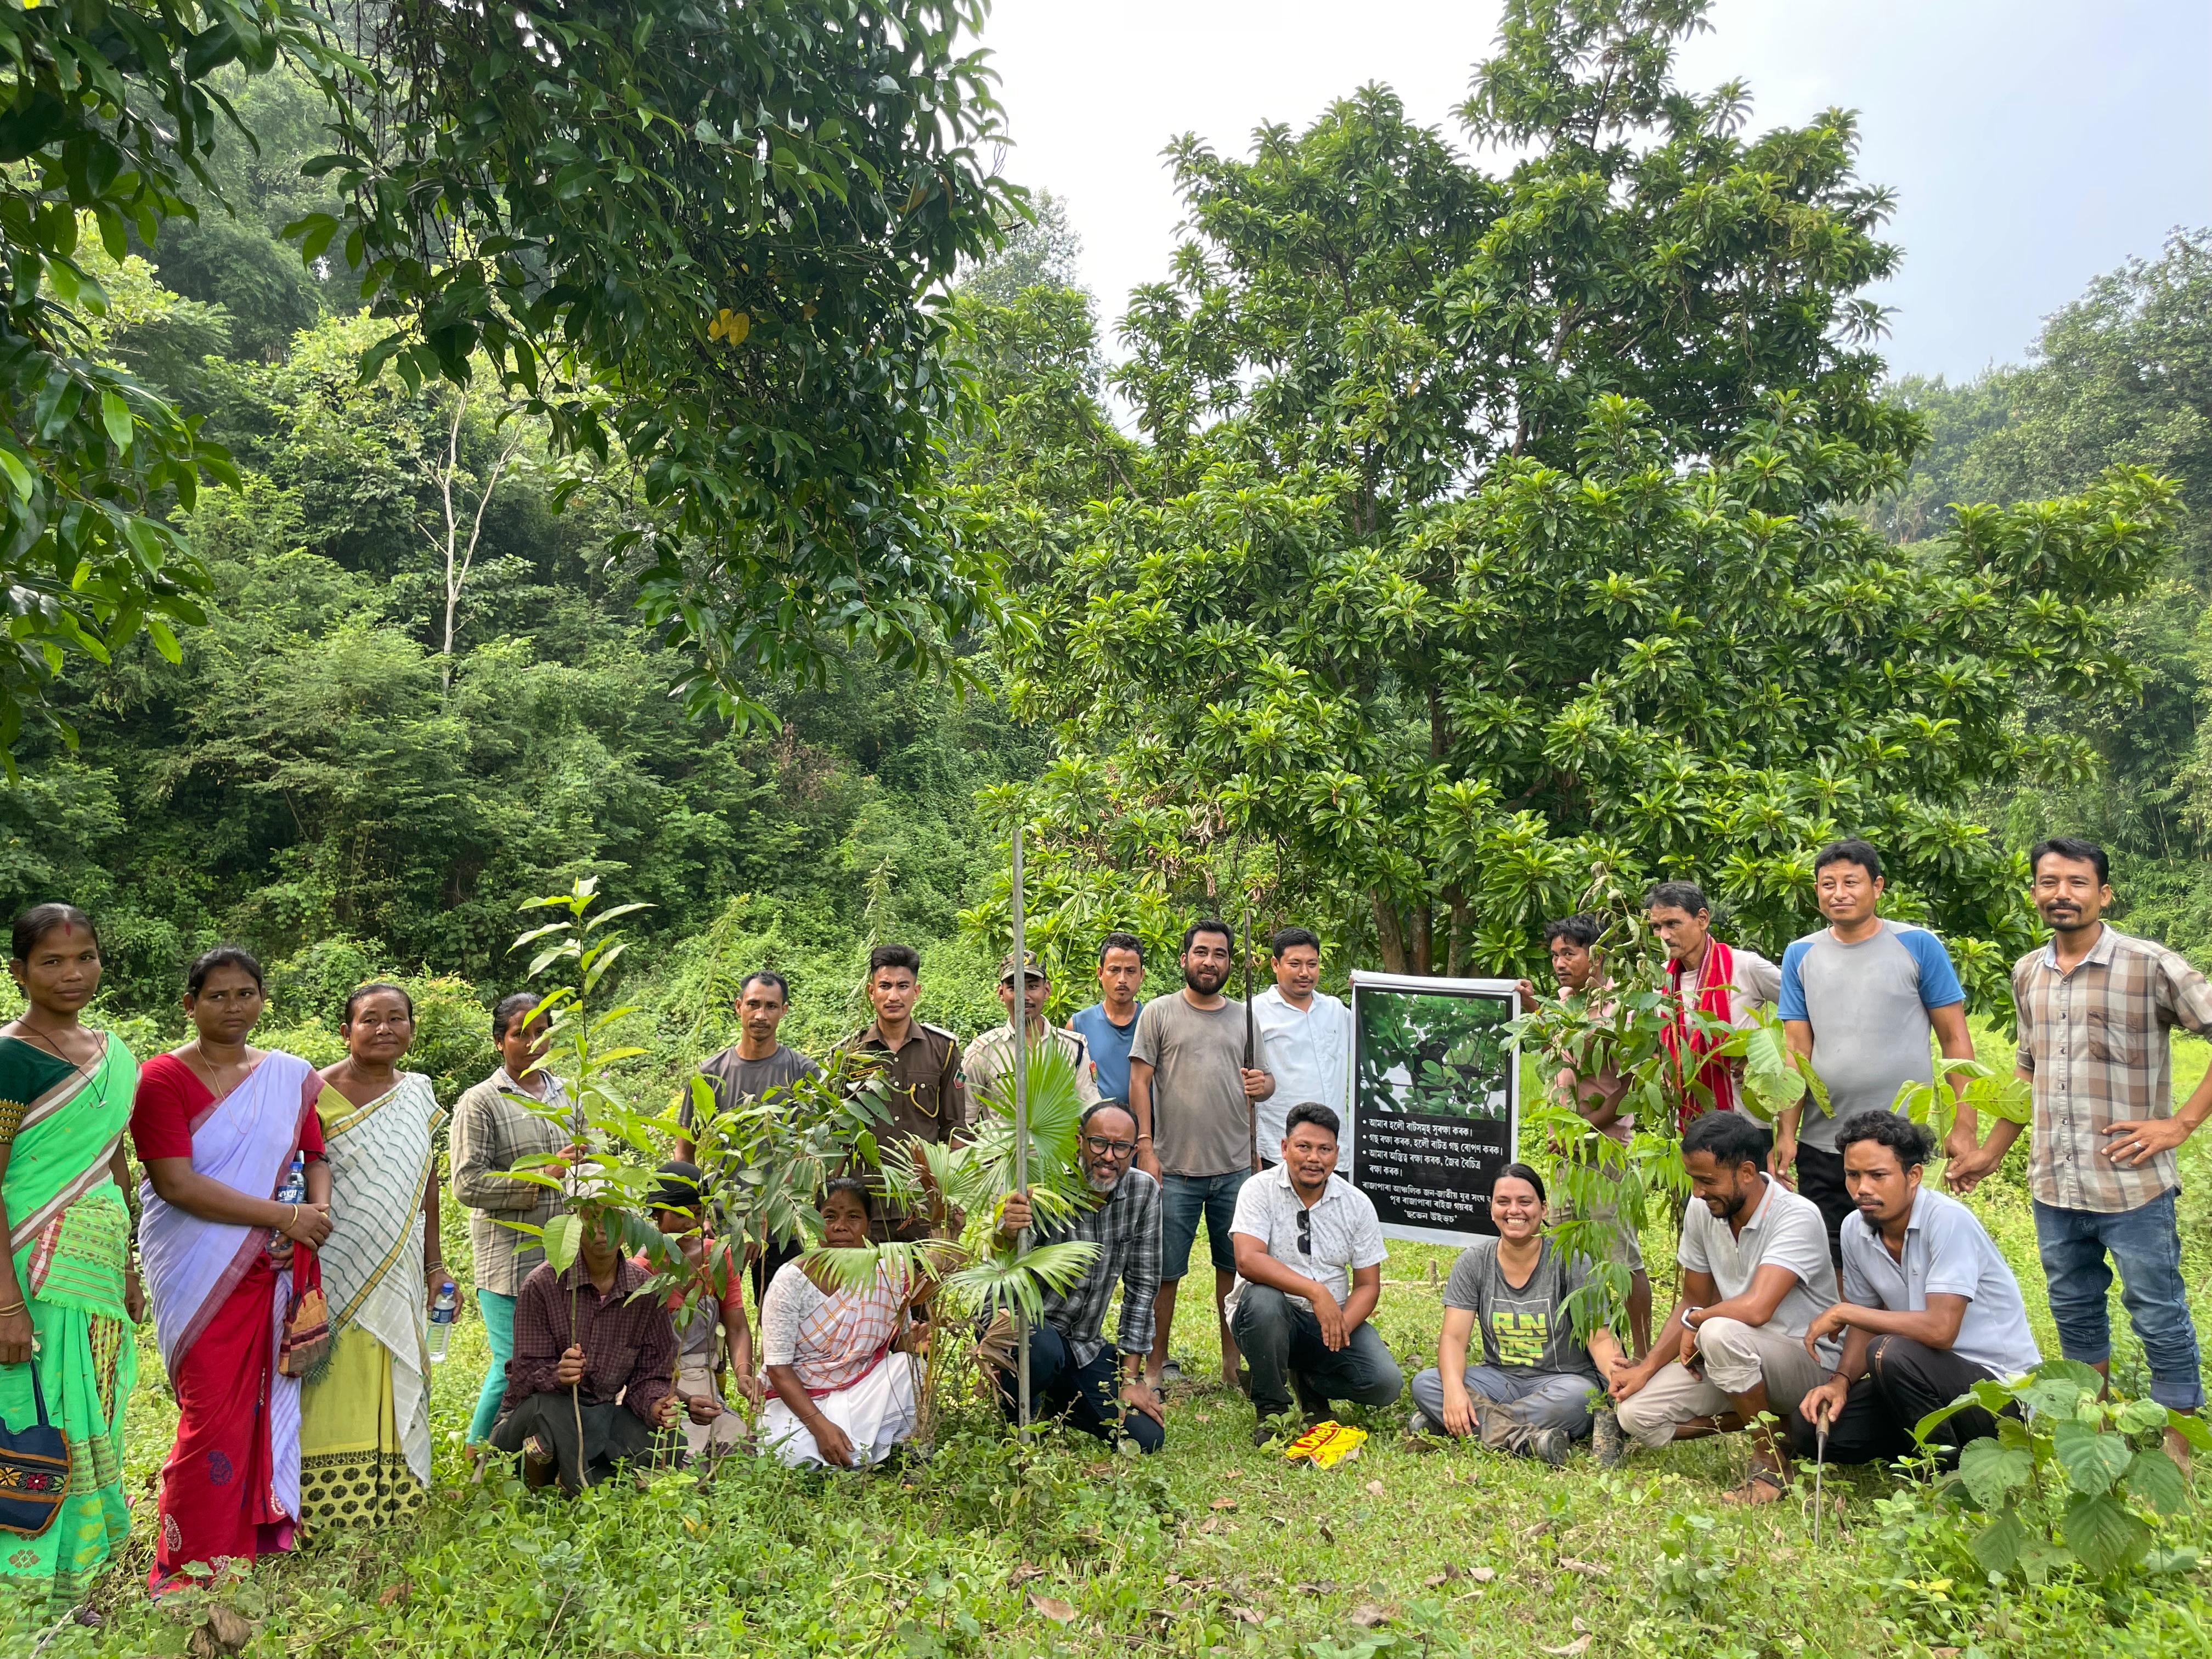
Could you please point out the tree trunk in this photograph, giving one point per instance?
(1425, 959)
(1388, 935)
(1456, 947)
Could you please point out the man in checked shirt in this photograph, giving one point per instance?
(1071, 1365)
(2095, 1007)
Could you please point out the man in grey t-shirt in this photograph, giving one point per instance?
(1859, 998)
(1193, 1099)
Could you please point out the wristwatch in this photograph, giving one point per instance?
(1687, 1313)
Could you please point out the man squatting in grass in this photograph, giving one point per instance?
(1310, 1256)
(1755, 1274)
(1930, 1307)
(1859, 998)
(1072, 1365)
(1191, 1095)
(1533, 1392)
(2096, 1010)
(1579, 968)
(588, 1330)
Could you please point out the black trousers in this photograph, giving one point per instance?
(612, 1434)
(1905, 1381)
(770, 1261)
(1087, 1396)
(1821, 1178)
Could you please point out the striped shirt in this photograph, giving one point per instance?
(491, 1133)
(2095, 1042)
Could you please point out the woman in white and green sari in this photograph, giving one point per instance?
(68, 1294)
(365, 1422)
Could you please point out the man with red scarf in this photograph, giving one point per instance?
(1724, 982)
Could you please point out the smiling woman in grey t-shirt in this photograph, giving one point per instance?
(1533, 1391)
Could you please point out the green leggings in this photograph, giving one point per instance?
(498, 1313)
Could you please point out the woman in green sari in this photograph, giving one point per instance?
(69, 1295)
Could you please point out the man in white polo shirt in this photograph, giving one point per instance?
(1755, 1275)
(1929, 1306)
(1309, 1037)
(1310, 1256)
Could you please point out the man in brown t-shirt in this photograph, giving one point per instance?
(927, 1094)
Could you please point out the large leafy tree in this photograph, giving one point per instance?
(1497, 538)
(706, 238)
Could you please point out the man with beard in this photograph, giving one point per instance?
(1072, 1365)
(1193, 1100)
(1755, 1275)
(2096, 1008)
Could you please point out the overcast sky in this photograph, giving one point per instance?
(2032, 143)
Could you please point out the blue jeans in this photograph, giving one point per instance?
(1549, 1399)
(2145, 1243)
(1281, 1342)
(1183, 1199)
(1087, 1396)
(498, 1313)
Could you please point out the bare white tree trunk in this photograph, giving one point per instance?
(460, 554)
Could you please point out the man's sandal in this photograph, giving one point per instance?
(1772, 1482)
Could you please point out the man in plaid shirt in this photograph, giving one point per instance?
(2095, 1010)
(1071, 1363)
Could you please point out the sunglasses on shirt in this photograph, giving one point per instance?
(1306, 1232)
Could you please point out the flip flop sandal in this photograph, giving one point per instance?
(1741, 1493)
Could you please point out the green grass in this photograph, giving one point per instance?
(1211, 1546)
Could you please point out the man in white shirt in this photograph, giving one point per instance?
(1930, 1307)
(1309, 1037)
(1756, 1273)
(1309, 1254)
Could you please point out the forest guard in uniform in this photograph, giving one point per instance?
(991, 1056)
(928, 1093)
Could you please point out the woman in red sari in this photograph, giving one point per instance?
(218, 1125)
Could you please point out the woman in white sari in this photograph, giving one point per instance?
(839, 1361)
(365, 1421)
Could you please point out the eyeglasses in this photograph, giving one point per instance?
(1102, 1146)
(1306, 1232)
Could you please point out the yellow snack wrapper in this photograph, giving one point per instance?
(1326, 1445)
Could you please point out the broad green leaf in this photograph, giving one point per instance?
(2053, 1397)
(2157, 1480)
(2192, 1428)
(2103, 1535)
(2135, 1416)
(1992, 1472)
(2092, 1458)
(1997, 1546)
(2181, 1560)
(563, 1236)
(19, 476)
(115, 417)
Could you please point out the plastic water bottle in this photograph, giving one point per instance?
(295, 1190)
(441, 1319)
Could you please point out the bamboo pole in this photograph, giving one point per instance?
(1021, 1017)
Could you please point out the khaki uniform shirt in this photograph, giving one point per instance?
(991, 1057)
(928, 1096)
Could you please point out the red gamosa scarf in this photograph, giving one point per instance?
(1715, 979)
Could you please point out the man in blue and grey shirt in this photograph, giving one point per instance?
(1859, 998)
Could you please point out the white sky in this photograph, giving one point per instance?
(2032, 143)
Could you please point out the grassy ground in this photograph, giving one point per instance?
(1213, 1547)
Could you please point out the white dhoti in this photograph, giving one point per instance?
(877, 1412)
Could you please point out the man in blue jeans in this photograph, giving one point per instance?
(2096, 1008)
(1194, 1099)
(1310, 1256)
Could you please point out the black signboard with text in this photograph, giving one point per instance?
(1436, 1101)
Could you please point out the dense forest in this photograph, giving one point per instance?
(424, 694)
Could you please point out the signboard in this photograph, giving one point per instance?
(1436, 1101)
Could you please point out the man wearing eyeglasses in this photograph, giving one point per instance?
(1310, 1256)
(1072, 1365)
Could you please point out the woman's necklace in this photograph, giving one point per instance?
(27, 1033)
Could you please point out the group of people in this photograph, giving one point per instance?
(285, 1238)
